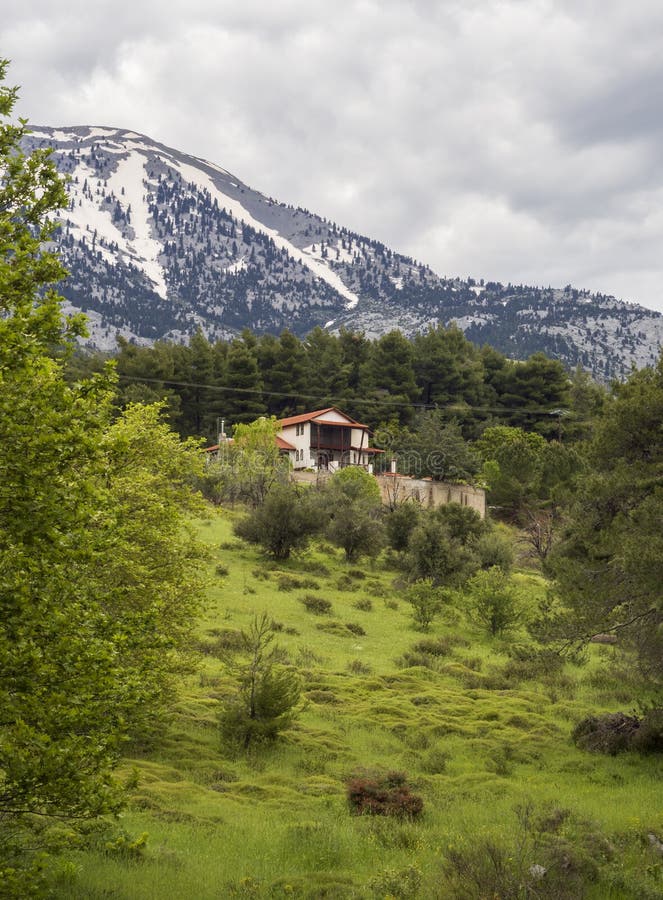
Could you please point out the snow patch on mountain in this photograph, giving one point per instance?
(88, 216)
(130, 174)
(235, 208)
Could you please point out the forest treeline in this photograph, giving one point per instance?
(388, 380)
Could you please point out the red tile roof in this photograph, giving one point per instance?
(283, 445)
(307, 417)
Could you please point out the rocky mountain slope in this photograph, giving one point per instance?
(159, 243)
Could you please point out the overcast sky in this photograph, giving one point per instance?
(514, 140)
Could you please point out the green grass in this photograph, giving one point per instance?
(477, 736)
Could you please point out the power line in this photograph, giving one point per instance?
(451, 407)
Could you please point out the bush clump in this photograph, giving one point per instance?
(438, 646)
(319, 606)
(649, 736)
(365, 604)
(614, 733)
(355, 628)
(383, 795)
(611, 733)
(345, 583)
(357, 574)
(291, 583)
(357, 667)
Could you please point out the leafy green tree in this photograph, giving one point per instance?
(97, 578)
(435, 553)
(436, 449)
(608, 568)
(145, 558)
(400, 522)
(353, 504)
(247, 467)
(512, 466)
(285, 521)
(426, 600)
(494, 601)
(266, 691)
(528, 480)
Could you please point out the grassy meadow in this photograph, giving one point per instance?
(481, 728)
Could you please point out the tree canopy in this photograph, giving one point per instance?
(608, 570)
(99, 577)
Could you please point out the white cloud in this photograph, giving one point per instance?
(516, 140)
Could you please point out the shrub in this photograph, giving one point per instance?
(435, 761)
(221, 570)
(530, 663)
(438, 646)
(383, 795)
(345, 583)
(355, 628)
(266, 695)
(357, 574)
(224, 640)
(400, 524)
(649, 736)
(314, 567)
(284, 522)
(611, 733)
(288, 583)
(426, 601)
(357, 667)
(365, 604)
(334, 627)
(412, 658)
(539, 863)
(319, 606)
(401, 884)
(494, 601)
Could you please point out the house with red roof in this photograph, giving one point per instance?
(326, 439)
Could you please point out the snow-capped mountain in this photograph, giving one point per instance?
(159, 243)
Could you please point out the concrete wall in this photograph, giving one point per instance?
(400, 489)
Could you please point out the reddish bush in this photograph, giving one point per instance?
(383, 795)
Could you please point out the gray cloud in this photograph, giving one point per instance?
(517, 140)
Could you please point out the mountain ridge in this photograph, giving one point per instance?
(159, 243)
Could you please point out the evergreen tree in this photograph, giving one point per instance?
(449, 371)
(326, 371)
(535, 393)
(242, 397)
(288, 374)
(609, 566)
(388, 376)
